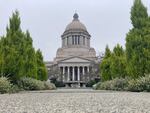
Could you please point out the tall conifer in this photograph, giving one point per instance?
(138, 42)
(41, 69)
(18, 57)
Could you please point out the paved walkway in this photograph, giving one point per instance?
(75, 101)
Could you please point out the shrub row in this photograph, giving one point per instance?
(139, 85)
(6, 86)
(24, 84)
(121, 84)
(33, 84)
(117, 84)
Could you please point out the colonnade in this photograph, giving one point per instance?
(74, 73)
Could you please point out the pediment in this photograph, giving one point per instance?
(75, 59)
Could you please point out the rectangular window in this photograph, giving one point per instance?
(72, 40)
(75, 39)
(83, 40)
(67, 40)
(79, 40)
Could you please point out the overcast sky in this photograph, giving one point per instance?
(107, 21)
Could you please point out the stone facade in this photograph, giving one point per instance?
(75, 59)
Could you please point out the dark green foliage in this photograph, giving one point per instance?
(107, 52)
(135, 61)
(118, 63)
(114, 64)
(118, 50)
(106, 69)
(57, 83)
(18, 57)
(92, 82)
(1, 57)
(105, 65)
(12, 49)
(139, 14)
(30, 60)
(41, 68)
(138, 42)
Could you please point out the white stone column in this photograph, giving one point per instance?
(69, 41)
(88, 69)
(66, 41)
(83, 70)
(73, 77)
(63, 73)
(78, 73)
(85, 41)
(73, 40)
(68, 73)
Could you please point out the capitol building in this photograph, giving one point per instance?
(76, 58)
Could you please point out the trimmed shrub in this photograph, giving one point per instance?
(117, 84)
(140, 84)
(33, 84)
(135, 85)
(49, 86)
(57, 82)
(15, 89)
(92, 82)
(5, 85)
(30, 84)
(104, 85)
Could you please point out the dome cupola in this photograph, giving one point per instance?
(75, 34)
(75, 24)
(75, 16)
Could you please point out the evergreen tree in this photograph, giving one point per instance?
(138, 42)
(114, 64)
(105, 65)
(1, 57)
(14, 49)
(107, 52)
(17, 54)
(30, 60)
(138, 14)
(118, 62)
(41, 68)
(118, 50)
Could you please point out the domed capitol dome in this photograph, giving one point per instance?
(75, 24)
(75, 57)
(75, 41)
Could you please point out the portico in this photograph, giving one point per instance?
(74, 70)
(74, 73)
